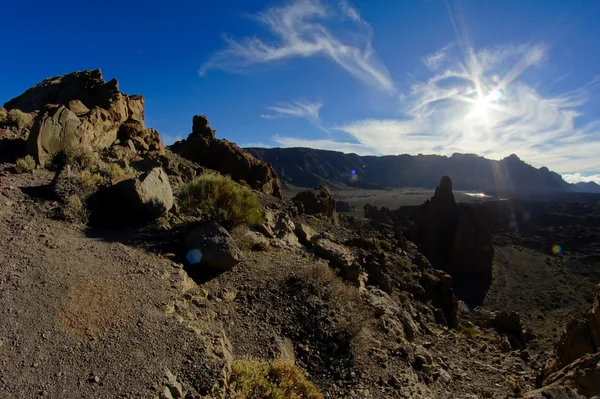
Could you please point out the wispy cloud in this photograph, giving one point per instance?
(299, 109)
(170, 138)
(578, 178)
(305, 28)
(479, 102)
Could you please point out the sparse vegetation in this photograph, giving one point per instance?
(280, 379)
(220, 199)
(385, 245)
(469, 331)
(89, 170)
(74, 210)
(25, 164)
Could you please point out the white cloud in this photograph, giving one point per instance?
(300, 109)
(578, 178)
(300, 29)
(481, 104)
(323, 144)
(436, 60)
(170, 138)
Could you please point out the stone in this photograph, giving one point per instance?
(258, 242)
(203, 147)
(81, 108)
(553, 392)
(366, 243)
(456, 238)
(583, 375)
(505, 346)
(508, 323)
(575, 342)
(594, 318)
(165, 393)
(133, 201)
(339, 257)
(211, 245)
(343, 206)
(267, 227)
(305, 233)
(318, 201)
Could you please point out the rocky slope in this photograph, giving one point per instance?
(305, 167)
(139, 299)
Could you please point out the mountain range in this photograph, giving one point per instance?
(307, 167)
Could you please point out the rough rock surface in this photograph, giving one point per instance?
(458, 239)
(583, 375)
(214, 245)
(594, 317)
(338, 256)
(133, 201)
(81, 108)
(203, 147)
(318, 201)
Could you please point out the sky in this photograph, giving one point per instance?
(372, 77)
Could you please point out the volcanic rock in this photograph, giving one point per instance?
(211, 245)
(318, 201)
(203, 147)
(81, 108)
(133, 201)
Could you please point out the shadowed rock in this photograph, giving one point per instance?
(203, 147)
(211, 245)
(318, 201)
(457, 238)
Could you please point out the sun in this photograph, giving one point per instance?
(482, 104)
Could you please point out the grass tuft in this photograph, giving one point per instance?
(280, 379)
(25, 164)
(469, 331)
(220, 199)
(385, 245)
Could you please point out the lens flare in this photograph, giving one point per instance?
(194, 256)
(353, 172)
(556, 249)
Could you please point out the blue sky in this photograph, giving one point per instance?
(371, 77)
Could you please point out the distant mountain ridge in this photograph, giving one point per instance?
(307, 167)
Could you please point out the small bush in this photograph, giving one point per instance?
(385, 245)
(26, 164)
(78, 157)
(221, 200)
(469, 331)
(74, 210)
(280, 379)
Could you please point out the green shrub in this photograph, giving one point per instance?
(469, 331)
(221, 200)
(79, 157)
(385, 245)
(280, 379)
(25, 164)
(74, 210)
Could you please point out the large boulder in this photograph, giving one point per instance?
(211, 245)
(81, 108)
(575, 342)
(339, 257)
(133, 201)
(203, 147)
(318, 201)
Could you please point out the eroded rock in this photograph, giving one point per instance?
(211, 245)
(318, 201)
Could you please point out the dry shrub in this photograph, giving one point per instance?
(220, 199)
(25, 164)
(344, 299)
(89, 170)
(385, 245)
(279, 379)
(74, 210)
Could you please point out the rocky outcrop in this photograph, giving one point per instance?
(457, 239)
(318, 201)
(203, 147)
(339, 257)
(132, 201)
(211, 245)
(576, 360)
(82, 109)
(343, 206)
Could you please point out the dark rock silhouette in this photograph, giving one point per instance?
(203, 147)
(318, 201)
(456, 238)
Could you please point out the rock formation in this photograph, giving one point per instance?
(318, 201)
(455, 237)
(211, 245)
(82, 109)
(203, 147)
(576, 360)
